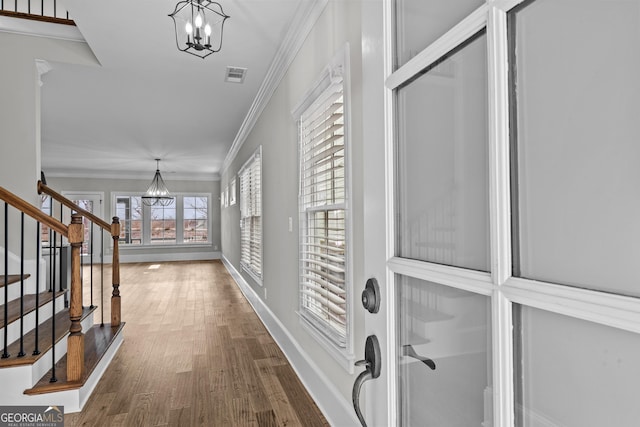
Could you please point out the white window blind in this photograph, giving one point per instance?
(251, 215)
(323, 211)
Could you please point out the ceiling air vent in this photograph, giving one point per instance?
(235, 74)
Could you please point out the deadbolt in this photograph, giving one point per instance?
(371, 296)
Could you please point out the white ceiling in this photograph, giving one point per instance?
(148, 100)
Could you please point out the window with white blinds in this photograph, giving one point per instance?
(250, 177)
(323, 214)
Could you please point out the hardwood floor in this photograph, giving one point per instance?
(194, 354)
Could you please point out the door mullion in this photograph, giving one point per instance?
(500, 217)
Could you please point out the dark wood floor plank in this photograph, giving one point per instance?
(267, 419)
(180, 417)
(293, 388)
(283, 409)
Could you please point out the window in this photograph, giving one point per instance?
(195, 222)
(251, 215)
(323, 212)
(232, 192)
(186, 221)
(163, 224)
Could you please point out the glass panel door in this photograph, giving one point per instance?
(513, 214)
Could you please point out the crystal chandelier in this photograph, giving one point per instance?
(198, 26)
(157, 193)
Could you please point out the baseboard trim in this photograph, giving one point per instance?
(164, 257)
(336, 409)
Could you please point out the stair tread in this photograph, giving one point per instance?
(29, 305)
(11, 278)
(44, 339)
(97, 341)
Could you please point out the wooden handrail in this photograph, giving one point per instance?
(41, 18)
(33, 212)
(42, 188)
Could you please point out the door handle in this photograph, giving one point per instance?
(373, 364)
(408, 350)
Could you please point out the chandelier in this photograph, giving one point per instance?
(198, 25)
(157, 193)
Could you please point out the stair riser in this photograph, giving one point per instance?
(14, 289)
(14, 262)
(13, 330)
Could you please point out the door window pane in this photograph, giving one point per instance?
(577, 109)
(575, 373)
(129, 211)
(421, 22)
(442, 162)
(87, 205)
(450, 327)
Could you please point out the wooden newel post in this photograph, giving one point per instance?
(115, 266)
(75, 342)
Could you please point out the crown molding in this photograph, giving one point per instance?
(302, 24)
(146, 176)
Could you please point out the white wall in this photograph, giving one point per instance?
(20, 109)
(276, 131)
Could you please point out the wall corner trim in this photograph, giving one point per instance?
(335, 408)
(301, 25)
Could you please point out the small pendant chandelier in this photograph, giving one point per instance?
(157, 193)
(198, 25)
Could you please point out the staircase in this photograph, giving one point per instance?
(51, 352)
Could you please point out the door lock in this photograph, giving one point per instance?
(371, 296)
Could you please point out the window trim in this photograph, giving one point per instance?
(337, 69)
(179, 203)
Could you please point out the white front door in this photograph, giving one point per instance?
(501, 210)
